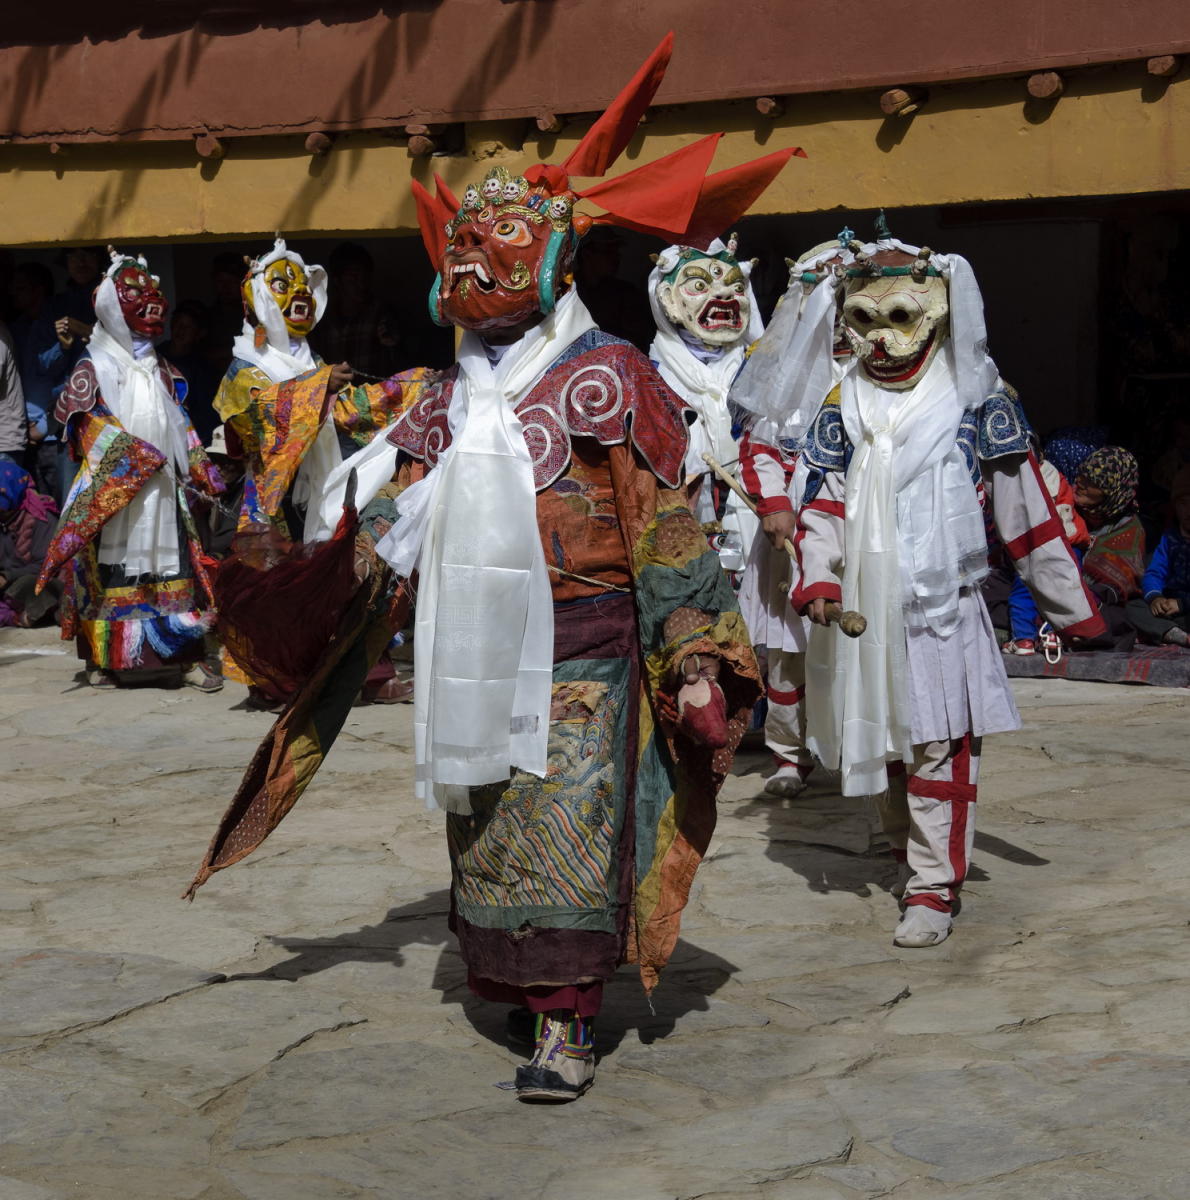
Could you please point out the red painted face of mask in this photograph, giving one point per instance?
(141, 301)
(500, 244)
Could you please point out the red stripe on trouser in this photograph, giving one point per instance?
(777, 696)
(957, 794)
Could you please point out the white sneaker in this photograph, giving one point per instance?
(922, 926)
(785, 781)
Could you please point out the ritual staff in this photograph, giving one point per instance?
(137, 597)
(893, 527)
(797, 362)
(582, 670)
(706, 318)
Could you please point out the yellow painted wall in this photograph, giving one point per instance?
(1113, 132)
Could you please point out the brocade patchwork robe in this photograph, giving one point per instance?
(273, 426)
(120, 623)
(558, 880)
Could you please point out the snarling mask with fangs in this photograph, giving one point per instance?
(898, 322)
(508, 246)
(289, 285)
(708, 297)
(141, 301)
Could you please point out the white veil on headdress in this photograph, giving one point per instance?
(791, 368)
(143, 536)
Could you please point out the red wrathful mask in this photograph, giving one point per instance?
(141, 301)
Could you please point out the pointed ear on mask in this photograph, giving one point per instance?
(665, 295)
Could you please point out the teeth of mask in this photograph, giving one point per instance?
(483, 275)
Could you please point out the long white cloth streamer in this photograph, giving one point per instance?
(484, 633)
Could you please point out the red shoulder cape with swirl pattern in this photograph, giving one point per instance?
(609, 392)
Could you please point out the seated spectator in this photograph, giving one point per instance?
(1162, 614)
(27, 523)
(1114, 561)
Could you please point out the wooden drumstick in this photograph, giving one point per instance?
(851, 623)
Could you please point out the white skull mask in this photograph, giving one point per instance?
(903, 322)
(709, 299)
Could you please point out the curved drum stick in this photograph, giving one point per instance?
(851, 623)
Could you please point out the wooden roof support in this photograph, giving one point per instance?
(1165, 66)
(903, 101)
(208, 145)
(1045, 85)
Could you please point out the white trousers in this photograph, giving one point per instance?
(928, 815)
(785, 725)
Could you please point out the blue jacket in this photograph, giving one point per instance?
(1169, 571)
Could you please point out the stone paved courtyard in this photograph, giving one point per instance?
(303, 1032)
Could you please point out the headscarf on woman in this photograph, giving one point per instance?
(1113, 471)
(1115, 561)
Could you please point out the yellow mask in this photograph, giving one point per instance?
(289, 287)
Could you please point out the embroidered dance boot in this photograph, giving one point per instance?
(922, 926)
(563, 1066)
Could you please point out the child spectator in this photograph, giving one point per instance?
(27, 523)
(1161, 615)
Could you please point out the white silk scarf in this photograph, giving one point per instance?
(484, 633)
(143, 536)
(914, 537)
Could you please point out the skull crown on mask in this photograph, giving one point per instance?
(707, 297)
(903, 320)
(141, 301)
(498, 247)
(289, 286)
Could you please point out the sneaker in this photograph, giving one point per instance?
(101, 679)
(201, 676)
(922, 926)
(1020, 646)
(786, 781)
(563, 1066)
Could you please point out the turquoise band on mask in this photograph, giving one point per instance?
(546, 282)
(436, 302)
